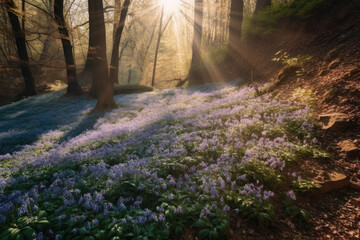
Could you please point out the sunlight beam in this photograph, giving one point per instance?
(170, 6)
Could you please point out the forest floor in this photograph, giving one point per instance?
(196, 159)
(215, 161)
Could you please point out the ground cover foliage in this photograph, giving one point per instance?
(160, 163)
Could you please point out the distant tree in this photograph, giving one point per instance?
(117, 14)
(50, 30)
(73, 86)
(196, 62)
(261, 5)
(90, 55)
(102, 86)
(157, 46)
(114, 65)
(198, 26)
(20, 41)
(235, 27)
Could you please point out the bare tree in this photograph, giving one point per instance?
(21, 48)
(198, 20)
(196, 71)
(114, 66)
(157, 46)
(102, 87)
(235, 27)
(73, 86)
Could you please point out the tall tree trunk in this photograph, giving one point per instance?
(50, 45)
(198, 26)
(73, 86)
(208, 22)
(196, 67)
(21, 48)
(129, 76)
(114, 66)
(101, 84)
(89, 57)
(261, 5)
(157, 46)
(235, 27)
(117, 14)
(222, 20)
(23, 8)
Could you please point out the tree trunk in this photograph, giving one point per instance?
(89, 57)
(157, 47)
(73, 86)
(198, 20)
(23, 8)
(261, 5)
(21, 48)
(101, 84)
(235, 28)
(114, 66)
(117, 13)
(196, 71)
(129, 76)
(50, 45)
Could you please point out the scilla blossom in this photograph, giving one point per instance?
(198, 135)
(291, 194)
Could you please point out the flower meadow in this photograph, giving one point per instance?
(159, 164)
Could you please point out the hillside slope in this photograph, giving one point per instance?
(316, 56)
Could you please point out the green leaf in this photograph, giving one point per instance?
(198, 224)
(19, 237)
(42, 214)
(43, 222)
(304, 214)
(5, 235)
(214, 234)
(14, 233)
(204, 233)
(178, 229)
(29, 233)
(89, 238)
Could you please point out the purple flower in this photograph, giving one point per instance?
(40, 236)
(162, 217)
(291, 194)
(179, 210)
(226, 208)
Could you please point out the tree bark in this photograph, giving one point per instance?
(157, 46)
(196, 68)
(89, 57)
(73, 86)
(23, 8)
(117, 14)
(261, 5)
(101, 84)
(235, 28)
(198, 26)
(114, 65)
(21, 49)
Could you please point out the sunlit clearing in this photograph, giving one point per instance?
(170, 6)
(56, 86)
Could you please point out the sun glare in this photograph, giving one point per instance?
(171, 6)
